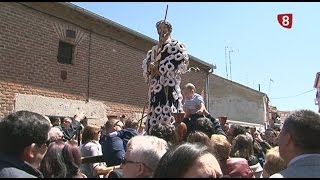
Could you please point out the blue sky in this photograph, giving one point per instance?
(262, 49)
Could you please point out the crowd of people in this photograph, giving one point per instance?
(35, 146)
(180, 139)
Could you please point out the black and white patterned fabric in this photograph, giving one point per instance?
(164, 93)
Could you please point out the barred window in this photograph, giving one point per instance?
(65, 53)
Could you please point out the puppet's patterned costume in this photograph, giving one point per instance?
(164, 93)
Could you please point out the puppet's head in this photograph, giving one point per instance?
(167, 28)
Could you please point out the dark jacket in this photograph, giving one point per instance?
(13, 167)
(112, 150)
(114, 145)
(190, 124)
(73, 129)
(126, 135)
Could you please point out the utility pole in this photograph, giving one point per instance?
(270, 85)
(225, 58)
(269, 88)
(230, 63)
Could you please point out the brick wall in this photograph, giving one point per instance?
(28, 59)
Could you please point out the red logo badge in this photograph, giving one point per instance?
(285, 20)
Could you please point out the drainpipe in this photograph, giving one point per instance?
(267, 110)
(208, 87)
(89, 69)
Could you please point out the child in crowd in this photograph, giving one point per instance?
(194, 108)
(193, 103)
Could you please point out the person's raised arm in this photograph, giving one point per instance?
(74, 126)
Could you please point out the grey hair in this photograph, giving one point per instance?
(53, 132)
(147, 149)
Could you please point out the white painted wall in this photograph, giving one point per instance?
(238, 102)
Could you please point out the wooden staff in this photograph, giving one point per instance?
(160, 43)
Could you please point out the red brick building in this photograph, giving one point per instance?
(57, 58)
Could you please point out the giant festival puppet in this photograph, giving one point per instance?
(161, 69)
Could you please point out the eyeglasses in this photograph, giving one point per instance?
(124, 161)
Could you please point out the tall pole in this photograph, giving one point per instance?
(225, 57)
(230, 64)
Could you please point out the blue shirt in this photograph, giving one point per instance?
(113, 150)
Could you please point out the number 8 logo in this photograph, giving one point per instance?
(285, 20)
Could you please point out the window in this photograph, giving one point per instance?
(70, 33)
(65, 52)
